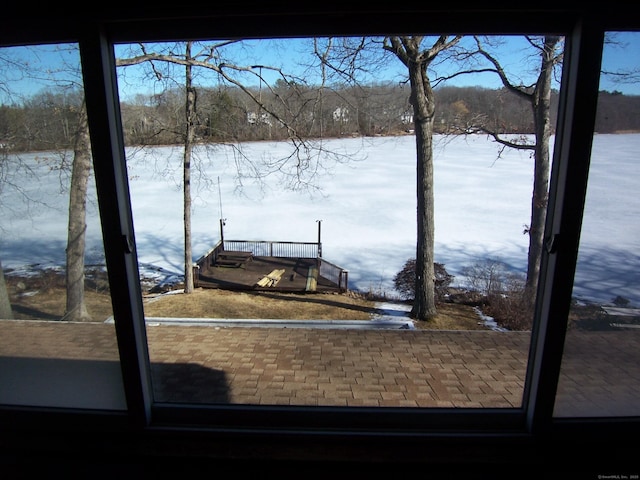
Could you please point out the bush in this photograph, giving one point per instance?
(620, 301)
(405, 280)
(510, 308)
(504, 293)
(486, 276)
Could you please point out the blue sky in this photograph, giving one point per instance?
(515, 54)
(53, 63)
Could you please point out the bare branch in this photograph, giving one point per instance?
(520, 91)
(300, 168)
(444, 78)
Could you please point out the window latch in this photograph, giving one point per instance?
(552, 243)
(128, 243)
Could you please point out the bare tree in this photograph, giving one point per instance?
(190, 113)
(70, 118)
(350, 62)
(5, 301)
(621, 76)
(538, 95)
(417, 59)
(301, 167)
(13, 70)
(76, 309)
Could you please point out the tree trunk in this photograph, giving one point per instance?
(76, 309)
(190, 111)
(5, 301)
(422, 98)
(540, 197)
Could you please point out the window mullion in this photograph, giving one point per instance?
(107, 143)
(574, 132)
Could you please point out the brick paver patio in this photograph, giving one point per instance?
(342, 367)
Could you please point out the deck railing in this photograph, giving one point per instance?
(265, 248)
(335, 274)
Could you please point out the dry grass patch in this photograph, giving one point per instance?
(43, 297)
(50, 304)
(211, 303)
(453, 316)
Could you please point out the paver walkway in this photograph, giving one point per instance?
(387, 368)
(301, 366)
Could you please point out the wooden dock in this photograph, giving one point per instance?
(263, 273)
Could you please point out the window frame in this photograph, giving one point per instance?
(584, 34)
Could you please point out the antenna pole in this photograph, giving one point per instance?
(319, 238)
(222, 219)
(220, 197)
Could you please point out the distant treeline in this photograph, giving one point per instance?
(227, 114)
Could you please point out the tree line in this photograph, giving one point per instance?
(48, 120)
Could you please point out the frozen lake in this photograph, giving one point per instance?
(366, 207)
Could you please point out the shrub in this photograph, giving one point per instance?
(486, 276)
(504, 292)
(405, 280)
(620, 301)
(511, 308)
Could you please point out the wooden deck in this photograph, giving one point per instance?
(240, 271)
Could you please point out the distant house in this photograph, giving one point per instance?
(341, 115)
(406, 118)
(264, 118)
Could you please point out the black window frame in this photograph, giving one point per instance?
(150, 422)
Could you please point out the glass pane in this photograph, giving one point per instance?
(600, 373)
(57, 343)
(303, 223)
